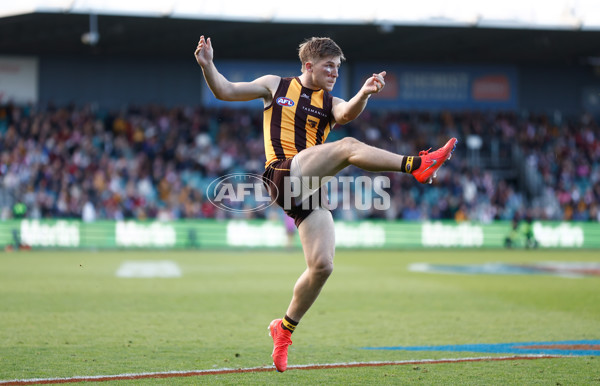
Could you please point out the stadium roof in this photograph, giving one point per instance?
(557, 14)
(542, 32)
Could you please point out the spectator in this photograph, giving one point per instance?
(152, 161)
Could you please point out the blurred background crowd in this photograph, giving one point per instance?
(154, 162)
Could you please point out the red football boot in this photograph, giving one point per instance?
(431, 162)
(282, 338)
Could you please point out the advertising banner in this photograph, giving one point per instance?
(450, 87)
(18, 79)
(210, 234)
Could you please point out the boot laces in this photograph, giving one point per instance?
(424, 152)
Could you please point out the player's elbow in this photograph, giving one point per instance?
(343, 119)
(346, 115)
(223, 92)
(221, 95)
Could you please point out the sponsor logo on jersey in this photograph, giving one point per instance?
(285, 102)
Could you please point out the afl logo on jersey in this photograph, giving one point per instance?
(283, 101)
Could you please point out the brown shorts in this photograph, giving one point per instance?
(274, 180)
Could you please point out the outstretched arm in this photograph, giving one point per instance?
(344, 112)
(223, 89)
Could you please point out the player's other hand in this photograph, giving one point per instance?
(375, 83)
(204, 52)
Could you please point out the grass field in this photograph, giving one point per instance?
(65, 314)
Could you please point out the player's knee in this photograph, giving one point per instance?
(322, 269)
(349, 142)
(349, 146)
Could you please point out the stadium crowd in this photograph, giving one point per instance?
(149, 162)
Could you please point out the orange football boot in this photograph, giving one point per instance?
(431, 162)
(282, 338)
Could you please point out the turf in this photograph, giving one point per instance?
(66, 314)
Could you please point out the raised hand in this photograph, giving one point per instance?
(375, 83)
(204, 52)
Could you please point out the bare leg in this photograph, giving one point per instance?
(328, 159)
(317, 235)
(317, 232)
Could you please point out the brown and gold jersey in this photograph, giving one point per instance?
(297, 119)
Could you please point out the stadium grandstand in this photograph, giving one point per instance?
(138, 244)
(104, 114)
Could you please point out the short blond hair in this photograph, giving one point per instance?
(314, 48)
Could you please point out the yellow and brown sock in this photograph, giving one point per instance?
(410, 164)
(288, 324)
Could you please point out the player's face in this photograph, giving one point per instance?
(326, 72)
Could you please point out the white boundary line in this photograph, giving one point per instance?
(175, 374)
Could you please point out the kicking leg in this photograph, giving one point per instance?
(327, 160)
